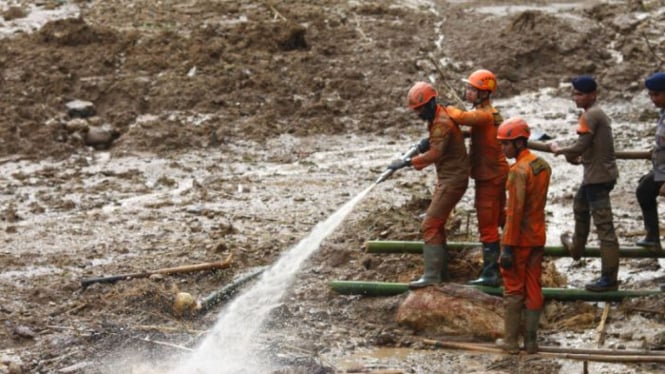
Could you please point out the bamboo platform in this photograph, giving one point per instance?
(396, 246)
(368, 288)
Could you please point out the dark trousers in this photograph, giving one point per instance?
(647, 192)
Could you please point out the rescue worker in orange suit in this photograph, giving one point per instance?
(447, 152)
(523, 236)
(652, 184)
(594, 149)
(489, 168)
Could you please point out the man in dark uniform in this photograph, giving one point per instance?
(594, 149)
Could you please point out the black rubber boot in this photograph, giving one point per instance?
(512, 316)
(652, 239)
(531, 331)
(490, 275)
(434, 263)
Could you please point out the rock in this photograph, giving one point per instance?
(80, 109)
(453, 309)
(100, 137)
(184, 304)
(76, 125)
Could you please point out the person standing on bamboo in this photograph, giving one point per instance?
(594, 149)
(489, 168)
(652, 184)
(447, 152)
(523, 237)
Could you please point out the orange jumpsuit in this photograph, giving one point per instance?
(489, 167)
(447, 153)
(528, 181)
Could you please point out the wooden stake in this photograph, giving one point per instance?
(602, 326)
(85, 282)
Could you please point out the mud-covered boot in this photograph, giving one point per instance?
(490, 275)
(652, 239)
(532, 318)
(433, 256)
(512, 316)
(572, 246)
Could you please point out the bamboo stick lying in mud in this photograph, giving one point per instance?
(368, 288)
(229, 290)
(623, 155)
(555, 352)
(85, 282)
(397, 246)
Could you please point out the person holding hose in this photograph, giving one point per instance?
(489, 168)
(652, 184)
(447, 152)
(523, 236)
(594, 149)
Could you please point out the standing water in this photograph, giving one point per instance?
(231, 347)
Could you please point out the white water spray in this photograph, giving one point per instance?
(230, 347)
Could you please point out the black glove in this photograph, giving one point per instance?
(506, 258)
(399, 163)
(423, 145)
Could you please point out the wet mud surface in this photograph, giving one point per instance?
(233, 128)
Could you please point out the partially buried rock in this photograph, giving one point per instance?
(80, 109)
(100, 137)
(453, 310)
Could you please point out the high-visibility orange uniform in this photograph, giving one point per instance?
(527, 185)
(447, 153)
(489, 167)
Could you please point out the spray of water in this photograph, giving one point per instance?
(231, 347)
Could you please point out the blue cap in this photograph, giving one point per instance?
(584, 84)
(656, 82)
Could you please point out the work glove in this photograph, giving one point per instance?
(506, 258)
(423, 145)
(399, 163)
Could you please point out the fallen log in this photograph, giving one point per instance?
(623, 155)
(229, 290)
(85, 282)
(568, 353)
(562, 294)
(397, 246)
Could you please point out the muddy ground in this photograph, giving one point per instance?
(232, 128)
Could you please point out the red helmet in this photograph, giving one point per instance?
(483, 80)
(513, 128)
(420, 94)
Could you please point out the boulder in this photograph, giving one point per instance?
(452, 310)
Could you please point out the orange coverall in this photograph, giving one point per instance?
(527, 185)
(489, 167)
(448, 154)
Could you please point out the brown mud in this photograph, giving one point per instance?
(237, 126)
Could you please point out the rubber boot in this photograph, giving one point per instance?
(609, 250)
(532, 318)
(652, 239)
(572, 246)
(512, 316)
(434, 264)
(490, 275)
(576, 242)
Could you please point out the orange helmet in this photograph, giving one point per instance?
(483, 80)
(420, 94)
(513, 128)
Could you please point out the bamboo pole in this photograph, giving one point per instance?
(369, 288)
(567, 353)
(85, 282)
(397, 246)
(624, 155)
(228, 291)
